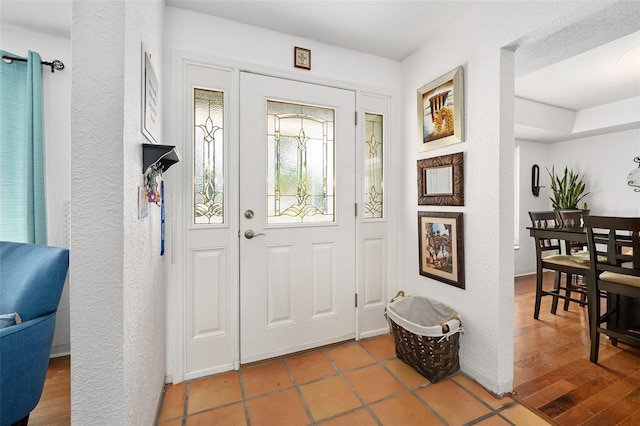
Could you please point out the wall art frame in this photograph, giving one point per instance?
(150, 124)
(302, 58)
(441, 180)
(441, 247)
(441, 111)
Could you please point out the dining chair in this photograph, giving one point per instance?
(614, 244)
(557, 262)
(573, 219)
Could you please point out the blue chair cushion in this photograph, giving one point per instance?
(24, 349)
(27, 272)
(31, 282)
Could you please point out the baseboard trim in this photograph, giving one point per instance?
(208, 371)
(58, 351)
(374, 333)
(497, 389)
(160, 403)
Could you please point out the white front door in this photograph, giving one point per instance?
(297, 220)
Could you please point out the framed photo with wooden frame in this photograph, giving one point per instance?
(441, 180)
(441, 247)
(302, 58)
(441, 111)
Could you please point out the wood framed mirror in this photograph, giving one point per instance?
(441, 180)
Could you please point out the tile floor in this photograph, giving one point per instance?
(353, 383)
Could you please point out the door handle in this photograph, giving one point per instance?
(249, 234)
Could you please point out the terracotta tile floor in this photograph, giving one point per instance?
(353, 383)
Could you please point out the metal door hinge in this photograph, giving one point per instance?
(356, 299)
(356, 117)
(355, 209)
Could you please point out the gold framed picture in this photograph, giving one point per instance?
(441, 111)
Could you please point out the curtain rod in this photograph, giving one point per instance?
(55, 65)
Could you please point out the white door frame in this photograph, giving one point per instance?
(175, 269)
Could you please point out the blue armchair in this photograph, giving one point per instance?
(31, 282)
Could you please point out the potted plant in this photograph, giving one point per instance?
(568, 189)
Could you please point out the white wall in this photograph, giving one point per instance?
(57, 119)
(486, 305)
(530, 153)
(144, 298)
(221, 42)
(117, 291)
(605, 160)
(254, 47)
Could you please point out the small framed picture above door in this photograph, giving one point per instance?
(302, 58)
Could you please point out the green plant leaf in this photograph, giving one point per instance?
(567, 190)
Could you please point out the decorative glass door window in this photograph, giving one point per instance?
(208, 164)
(373, 179)
(300, 163)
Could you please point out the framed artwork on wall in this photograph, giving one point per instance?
(441, 180)
(441, 111)
(302, 58)
(441, 247)
(150, 99)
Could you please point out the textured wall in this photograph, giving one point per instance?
(486, 305)
(57, 117)
(97, 238)
(117, 294)
(144, 306)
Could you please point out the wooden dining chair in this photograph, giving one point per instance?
(559, 263)
(614, 244)
(573, 219)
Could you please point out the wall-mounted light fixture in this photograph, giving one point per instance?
(535, 180)
(633, 178)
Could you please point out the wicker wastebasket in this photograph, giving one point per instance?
(427, 335)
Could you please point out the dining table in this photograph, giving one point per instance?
(628, 308)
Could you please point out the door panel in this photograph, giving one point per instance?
(297, 280)
(373, 223)
(211, 225)
(297, 276)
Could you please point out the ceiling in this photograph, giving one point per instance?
(589, 79)
(390, 29)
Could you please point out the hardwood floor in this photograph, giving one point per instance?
(552, 370)
(54, 408)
